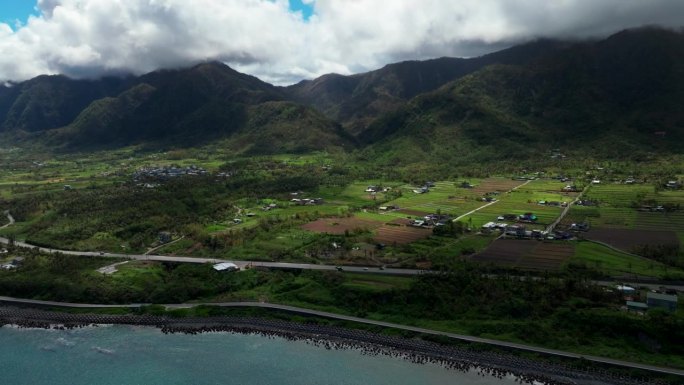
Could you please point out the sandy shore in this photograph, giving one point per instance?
(332, 337)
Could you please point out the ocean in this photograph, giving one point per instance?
(131, 355)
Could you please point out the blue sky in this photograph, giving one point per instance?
(12, 10)
(349, 36)
(298, 5)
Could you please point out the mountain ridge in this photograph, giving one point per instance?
(544, 93)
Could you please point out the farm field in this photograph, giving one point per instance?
(618, 195)
(399, 234)
(492, 185)
(631, 240)
(618, 264)
(444, 197)
(525, 199)
(620, 221)
(662, 222)
(339, 226)
(526, 254)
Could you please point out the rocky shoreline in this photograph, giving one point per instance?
(332, 337)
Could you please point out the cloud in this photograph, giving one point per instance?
(86, 38)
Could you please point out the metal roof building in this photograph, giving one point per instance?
(226, 266)
(665, 301)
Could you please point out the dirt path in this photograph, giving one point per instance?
(9, 218)
(490, 203)
(150, 251)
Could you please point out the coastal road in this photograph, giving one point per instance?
(328, 315)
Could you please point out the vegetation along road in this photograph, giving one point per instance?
(323, 314)
(277, 265)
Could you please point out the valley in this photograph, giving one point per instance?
(531, 196)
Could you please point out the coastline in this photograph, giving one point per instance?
(418, 351)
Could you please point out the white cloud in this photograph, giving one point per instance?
(262, 37)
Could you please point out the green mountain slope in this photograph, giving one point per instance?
(358, 99)
(48, 102)
(621, 96)
(195, 106)
(616, 97)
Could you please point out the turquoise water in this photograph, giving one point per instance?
(125, 355)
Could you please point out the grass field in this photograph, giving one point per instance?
(615, 263)
(619, 208)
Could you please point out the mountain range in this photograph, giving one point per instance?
(622, 95)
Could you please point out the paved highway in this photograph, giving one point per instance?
(280, 265)
(317, 313)
(240, 264)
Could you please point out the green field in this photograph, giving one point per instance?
(589, 255)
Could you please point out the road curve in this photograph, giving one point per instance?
(329, 315)
(9, 218)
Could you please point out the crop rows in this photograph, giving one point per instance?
(528, 255)
(391, 234)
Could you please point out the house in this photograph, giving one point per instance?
(636, 306)
(527, 217)
(570, 188)
(627, 290)
(596, 181)
(672, 184)
(437, 219)
(164, 237)
(429, 184)
(226, 266)
(584, 226)
(237, 221)
(418, 223)
(663, 301)
(489, 226)
(388, 208)
(269, 207)
(562, 235)
(68, 187)
(466, 185)
(16, 262)
(373, 189)
(515, 231)
(537, 234)
(422, 190)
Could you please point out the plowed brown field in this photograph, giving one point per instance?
(528, 255)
